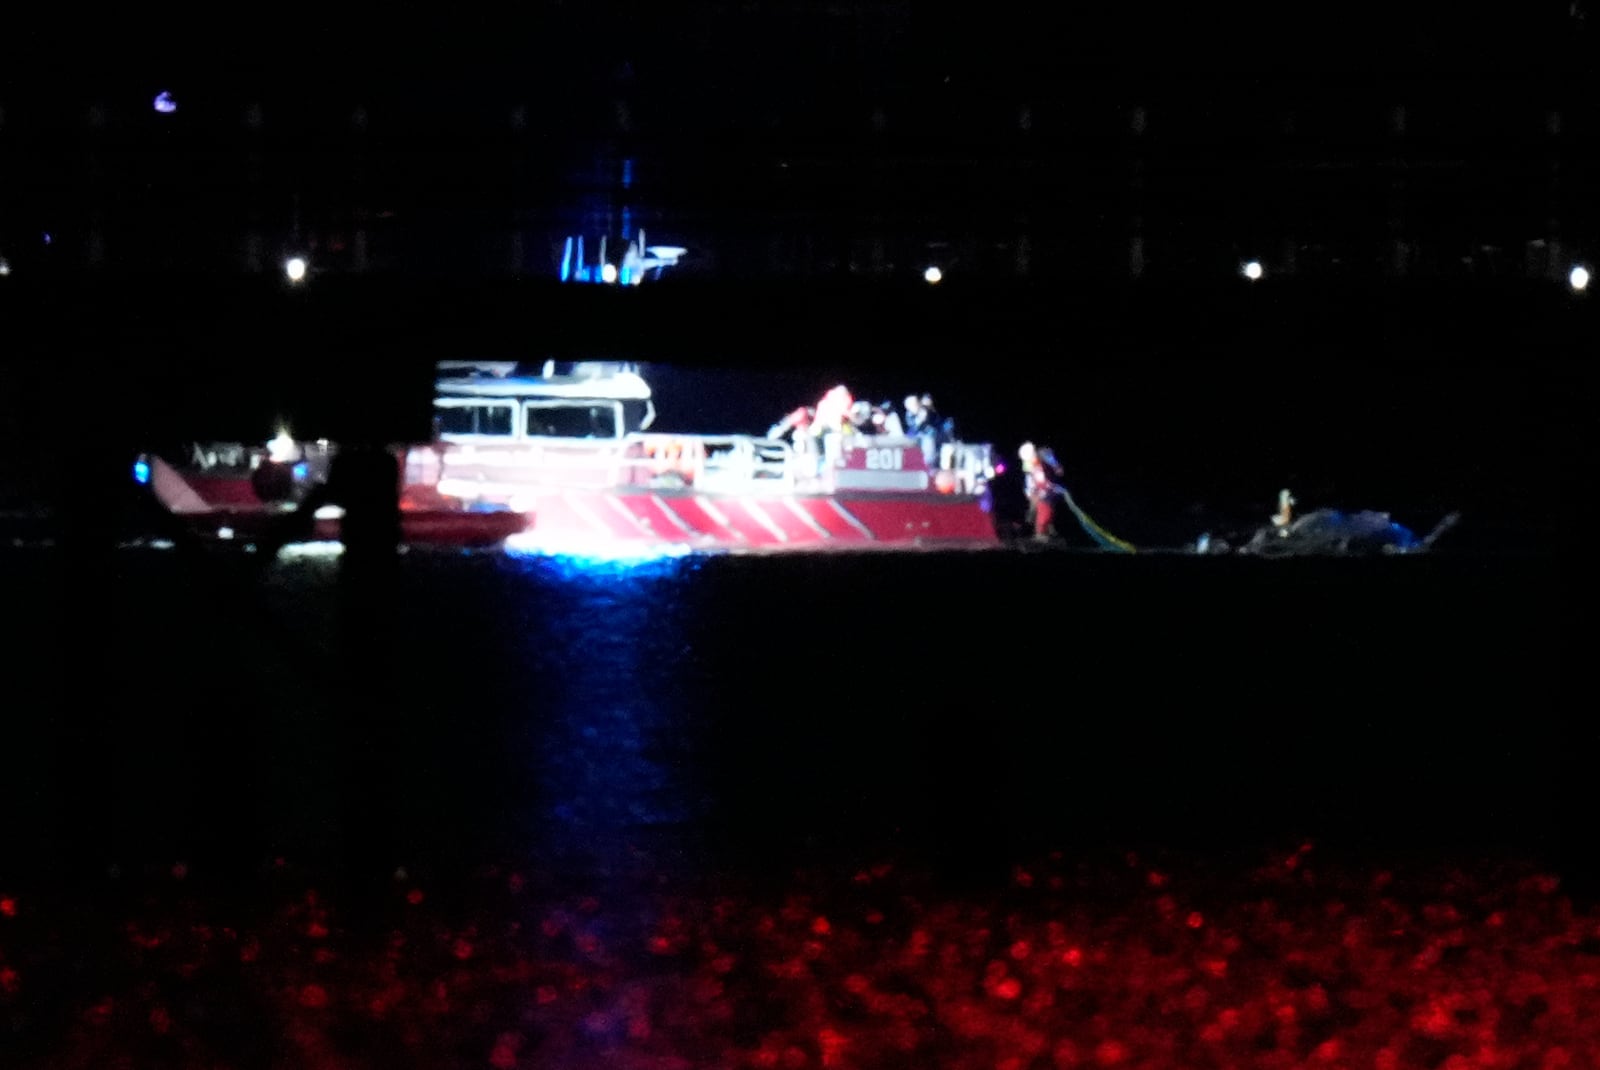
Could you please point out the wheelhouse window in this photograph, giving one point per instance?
(593, 420)
(637, 415)
(478, 419)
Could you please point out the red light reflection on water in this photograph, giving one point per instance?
(1106, 968)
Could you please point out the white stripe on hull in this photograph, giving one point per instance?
(715, 513)
(807, 519)
(765, 521)
(638, 522)
(585, 512)
(683, 525)
(850, 518)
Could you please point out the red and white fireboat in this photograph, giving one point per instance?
(564, 461)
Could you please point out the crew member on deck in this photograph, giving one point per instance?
(887, 421)
(795, 424)
(797, 428)
(833, 412)
(919, 425)
(860, 420)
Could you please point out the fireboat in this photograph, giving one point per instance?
(562, 459)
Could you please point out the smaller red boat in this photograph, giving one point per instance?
(271, 495)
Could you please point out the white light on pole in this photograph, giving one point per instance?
(932, 275)
(1578, 278)
(1252, 270)
(295, 268)
(608, 273)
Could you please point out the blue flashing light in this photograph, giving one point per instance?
(141, 472)
(164, 103)
(566, 261)
(301, 470)
(625, 275)
(627, 177)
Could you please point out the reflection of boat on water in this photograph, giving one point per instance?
(565, 460)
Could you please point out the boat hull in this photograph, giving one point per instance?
(577, 519)
(227, 506)
(570, 519)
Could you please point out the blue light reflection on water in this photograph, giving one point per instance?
(735, 713)
(609, 796)
(624, 558)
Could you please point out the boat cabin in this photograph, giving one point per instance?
(488, 403)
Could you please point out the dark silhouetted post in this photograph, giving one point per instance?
(364, 481)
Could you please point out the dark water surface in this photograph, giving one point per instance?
(743, 715)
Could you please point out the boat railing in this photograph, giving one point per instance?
(502, 471)
(743, 461)
(728, 463)
(205, 456)
(973, 465)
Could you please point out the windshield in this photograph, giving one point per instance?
(591, 420)
(482, 419)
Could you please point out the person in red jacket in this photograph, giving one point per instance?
(1038, 470)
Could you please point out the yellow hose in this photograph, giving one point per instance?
(1096, 532)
